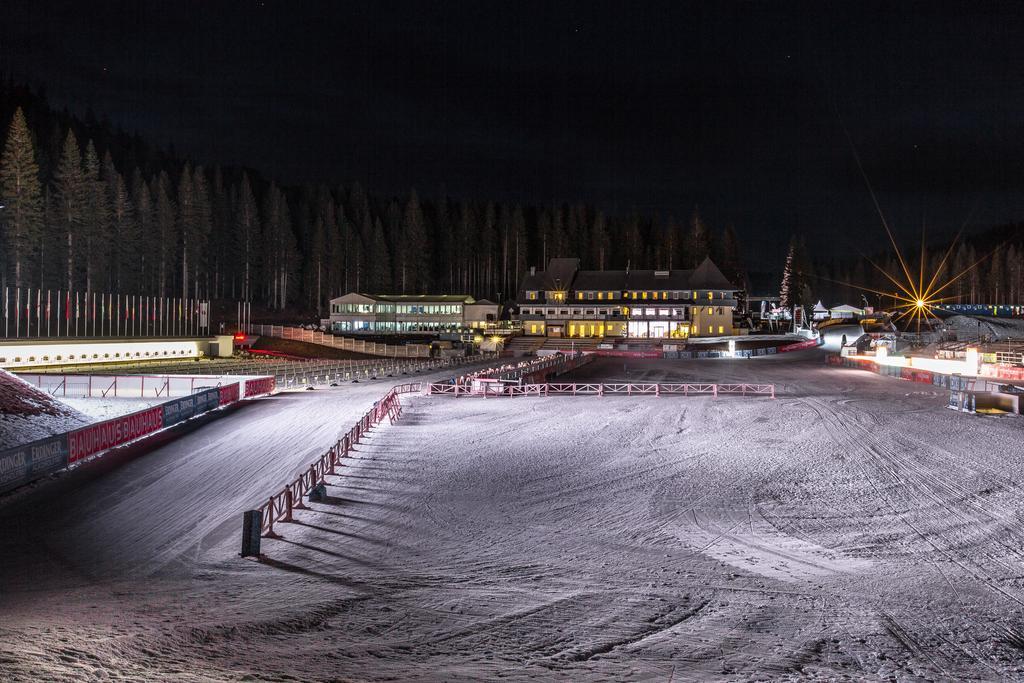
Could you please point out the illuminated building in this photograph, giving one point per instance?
(409, 313)
(564, 301)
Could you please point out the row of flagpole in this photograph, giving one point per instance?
(244, 316)
(95, 314)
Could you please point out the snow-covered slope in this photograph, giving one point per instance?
(27, 414)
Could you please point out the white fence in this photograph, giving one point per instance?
(128, 386)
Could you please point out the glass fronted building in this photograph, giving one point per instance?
(409, 314)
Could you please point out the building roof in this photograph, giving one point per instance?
(558, 276)
(708, 276)
(409, 298)
(564, 274)
(657, 279)
(594, 280)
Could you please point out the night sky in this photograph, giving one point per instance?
(736, 108)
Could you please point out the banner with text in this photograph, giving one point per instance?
(22, 464)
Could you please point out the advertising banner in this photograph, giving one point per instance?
(22, 464)
(809, 344)
(228, 394)
(99, 437)
(182, 409)
(626, 354)
(256, 387)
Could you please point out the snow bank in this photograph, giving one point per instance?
(106, 408)
(27, 414)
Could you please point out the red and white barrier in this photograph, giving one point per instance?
(799, 346)
(489, 389)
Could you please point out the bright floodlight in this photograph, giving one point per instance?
(920, 303)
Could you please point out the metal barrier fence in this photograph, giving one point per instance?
(280, 506)
(137, 386)
(599, 389)
(532, 371)
(299, 376)
(289, 374)
(344, 343)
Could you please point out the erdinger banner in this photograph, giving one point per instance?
(22, 464)
(190, 406)
(99, 437)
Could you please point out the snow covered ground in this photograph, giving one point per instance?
(106, 408)
(970, 327)
(853, 527)
(27, 414)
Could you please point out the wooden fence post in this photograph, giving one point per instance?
(288, 504)
(270, 517)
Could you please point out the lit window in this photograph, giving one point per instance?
(644, 295)
(710, 310)
(710, 331)
(711, 295)
(721, 329)
(579, 295)
(695, 294)
(600, 295)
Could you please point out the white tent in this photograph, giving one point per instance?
(845, 311)
(819, 312)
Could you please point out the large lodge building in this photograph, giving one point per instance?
(564, 301)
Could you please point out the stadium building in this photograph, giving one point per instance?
(409, 313)
(564, 301)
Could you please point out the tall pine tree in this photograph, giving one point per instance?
(21, 221)
(70, 194)
(415, 248)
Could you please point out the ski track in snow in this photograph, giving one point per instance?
(853, 527)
